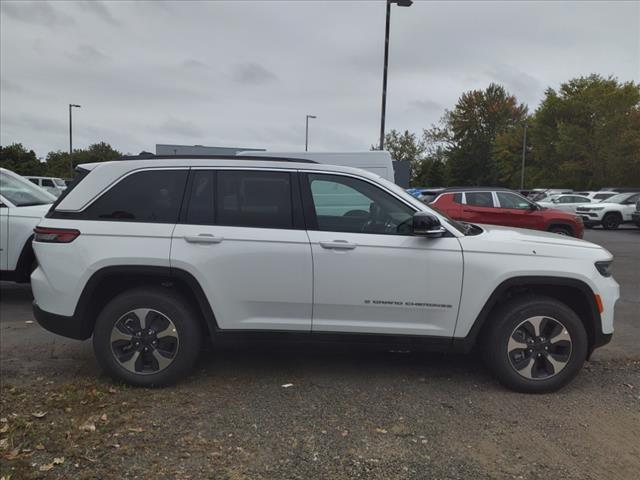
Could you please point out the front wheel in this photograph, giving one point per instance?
(147, 337)
(611, 221)
(535, 344)
(562, 230)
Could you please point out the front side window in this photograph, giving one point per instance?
(22, 193)
(345, 204)
(259, 199)
(152, 196)
(479, 199)
(513, 201)
(46, 182)
(200, 209)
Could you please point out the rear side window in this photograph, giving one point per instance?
(152, 196)
(258, 199)
(479, 199)
(457, 197)
(201, 198)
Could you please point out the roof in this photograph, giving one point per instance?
(477, 189)
(151, 156)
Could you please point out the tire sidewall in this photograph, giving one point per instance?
(509, 318)
(169, 304)
(614, 219)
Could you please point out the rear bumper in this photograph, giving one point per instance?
(70, 327)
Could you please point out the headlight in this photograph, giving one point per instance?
(605, 268)
(595, 209)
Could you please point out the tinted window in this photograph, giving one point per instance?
(34, 180)
(457, 198)
(511, 200)
(200, 207)
(479, 199)
(345, 204)
(47, 182)
(603, 196)
(149, 196)
(254, 199)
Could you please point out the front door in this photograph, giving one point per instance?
(370, 275)
(517, 211)
(241, 235)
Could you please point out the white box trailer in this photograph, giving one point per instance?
(377, 161)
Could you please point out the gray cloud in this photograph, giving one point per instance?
(100, 10)
(88, 54)
(193, 63)
(252, 73)
(176, 128)
(38, 13)
(426, 105)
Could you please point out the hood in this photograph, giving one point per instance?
(599, 205)
(519, 241)
(33, 211)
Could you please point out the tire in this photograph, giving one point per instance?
(562, 230)
(611, 221)
(169, 321)
(530, 369)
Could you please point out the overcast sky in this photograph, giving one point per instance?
(246, 73)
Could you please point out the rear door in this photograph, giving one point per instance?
(241, 235)
(370, 275)
(479, 207)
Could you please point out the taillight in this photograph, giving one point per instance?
(55, 235)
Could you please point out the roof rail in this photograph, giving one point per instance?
(151, 156)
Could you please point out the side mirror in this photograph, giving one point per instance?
(427, 225)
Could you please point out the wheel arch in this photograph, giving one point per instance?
(575, 293)
(561, 224)
(108, 282)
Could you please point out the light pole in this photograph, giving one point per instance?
(524, 151)
(400, 3)
(71, 105)
(306, 135)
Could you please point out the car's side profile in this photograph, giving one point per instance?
(505, 207)
(22, 205)
(55, 186)
(610, 213)
(566, 203)
(151, 257)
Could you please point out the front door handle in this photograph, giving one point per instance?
(338, 245)
(203, 238)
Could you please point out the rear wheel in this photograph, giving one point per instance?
(611, 221)
(147, 337)
(535, 345)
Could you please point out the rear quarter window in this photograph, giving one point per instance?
(152, 196)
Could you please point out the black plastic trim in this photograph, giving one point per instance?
(599, 339)
(151, 156)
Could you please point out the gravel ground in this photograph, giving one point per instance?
(349, 413)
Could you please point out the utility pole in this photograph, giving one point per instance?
(524, 154)
(71, 105)
(306, 134)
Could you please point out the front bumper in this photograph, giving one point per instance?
(70, 327)
(635, 218)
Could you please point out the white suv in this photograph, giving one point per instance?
(22, 205)
(151, 256)
(610, 213)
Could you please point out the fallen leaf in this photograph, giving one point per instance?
(46, 467)
(13, 454)
(39, 447)
(88, 426)
(345, 433)
(4, 443)
(381, 430)
(58, 460)
(628, 385)
(112, 390)
(4, 428)
(135, 429)
(103, 417)
(38, 414)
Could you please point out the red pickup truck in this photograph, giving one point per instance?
(498, 206)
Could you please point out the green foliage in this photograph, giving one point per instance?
(16, 158)
(478, 118)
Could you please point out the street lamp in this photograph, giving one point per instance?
(71, 105)
(306, 135)
(400, 3)
(524, 153)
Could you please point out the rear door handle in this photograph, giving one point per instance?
(338, 245)
(203, 238)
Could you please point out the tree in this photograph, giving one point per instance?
(471, 129)
(587, 134)
(403, 147)
(21, 161)
(59, 165)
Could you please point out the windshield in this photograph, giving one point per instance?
(621, 197)
(22, 193)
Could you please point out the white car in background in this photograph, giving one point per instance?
(611, 213)
(568, 203)
(55, 186)
(22, 206)
(598, 196)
